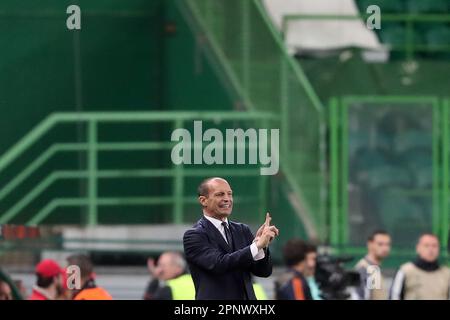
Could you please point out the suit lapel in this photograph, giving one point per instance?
(236, 234)
(216, 235)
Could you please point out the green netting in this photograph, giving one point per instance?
(253, 55)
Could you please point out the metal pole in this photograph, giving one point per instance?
(178, 185)
(345, 171)
(409, 40)
(284, 101)
(437, 121)
(445, 175)
(245, 20)
(92, 170)
(334, 172)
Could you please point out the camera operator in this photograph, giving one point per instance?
(310, 271)
(292, 285)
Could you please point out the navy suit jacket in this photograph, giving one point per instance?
(218, 271)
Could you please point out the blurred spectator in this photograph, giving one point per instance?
(292, 285)
(424, 278)
(378, 249)
(171, 281)
(89, 289)
(66, 294)
(21, 288)
(5, 291)
(49, 281)
(260, 293)
(310, 270)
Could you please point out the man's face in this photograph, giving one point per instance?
(428, 248)
(166, 269)
(5, 291)
(380, 246)
(60, 285)
(310, 264)
(219, 202)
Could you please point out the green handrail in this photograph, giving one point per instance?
(445, 219)
(93, 173)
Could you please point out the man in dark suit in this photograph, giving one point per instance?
(223, 254)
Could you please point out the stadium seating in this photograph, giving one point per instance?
(412, 139)
(394, 210)
(426, 35)
(437, 38)
(405, 6)
(390, 6)
(396, 35)
(367, 158)
(388, 176)
(424, 6)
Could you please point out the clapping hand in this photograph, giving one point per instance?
(266, 233)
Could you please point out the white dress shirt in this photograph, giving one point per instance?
(257, 254)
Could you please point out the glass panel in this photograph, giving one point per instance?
(390, 170)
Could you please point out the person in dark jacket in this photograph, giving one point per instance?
(292, 285)
(222, 254)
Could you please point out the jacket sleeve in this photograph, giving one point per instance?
(163, 293)
(200, 252)
(398, 286)
(152, 288)
(362, 291)
(261, 268)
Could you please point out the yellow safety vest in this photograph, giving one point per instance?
(259, 292)
(182, 287)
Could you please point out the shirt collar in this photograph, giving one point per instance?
(425, 265)
(369, 261)
(216, 222)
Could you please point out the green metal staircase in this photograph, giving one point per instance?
(96, 171)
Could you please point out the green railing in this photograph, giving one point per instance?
(409, 47)
(93, 170)
(248, 49)
(389, 168)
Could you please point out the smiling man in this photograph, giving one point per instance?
(222, 254)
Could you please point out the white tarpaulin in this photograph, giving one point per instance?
(314, 35)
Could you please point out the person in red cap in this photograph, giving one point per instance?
(49, 282)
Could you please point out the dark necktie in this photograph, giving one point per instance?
(228, 234)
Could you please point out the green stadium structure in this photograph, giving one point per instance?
(87, 118)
